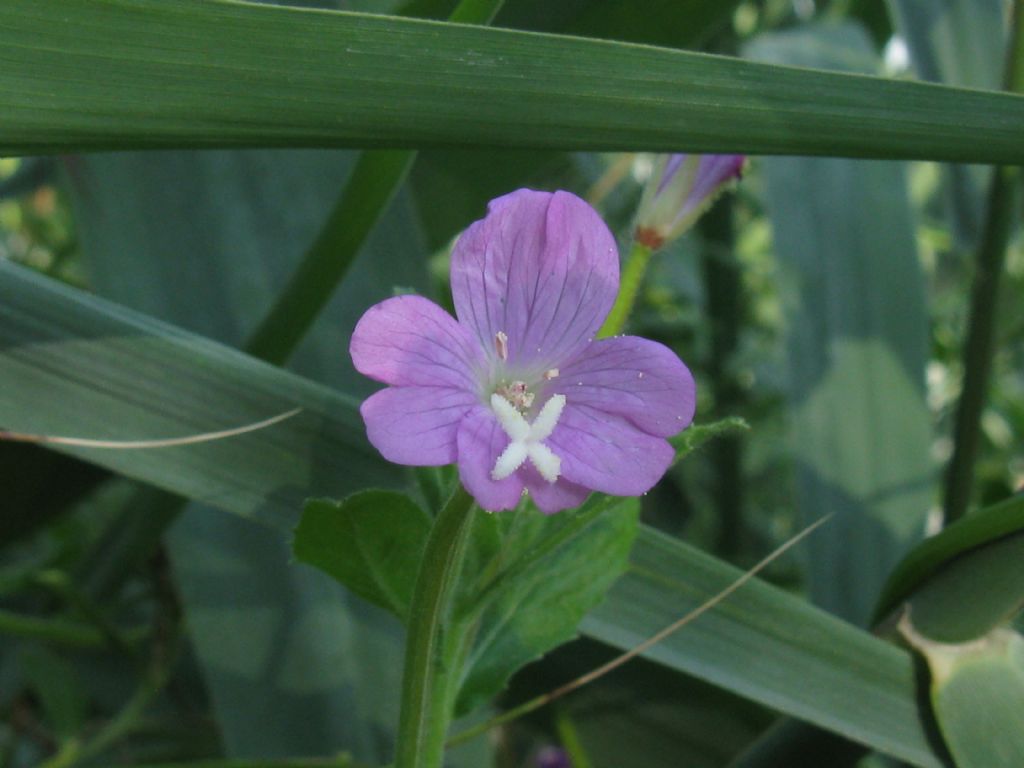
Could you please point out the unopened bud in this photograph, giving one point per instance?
(681, 188)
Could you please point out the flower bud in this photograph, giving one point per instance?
(681, 188)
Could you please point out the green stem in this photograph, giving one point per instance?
(629, 286)
(61, 631)
(979, 345)
(570, 739)
(724, 290)
(374, 182)
(427, 678)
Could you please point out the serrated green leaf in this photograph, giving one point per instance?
(372, 542)
(530, 578)
(139, 74)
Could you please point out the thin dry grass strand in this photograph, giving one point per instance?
(204, 437)
(692, 615)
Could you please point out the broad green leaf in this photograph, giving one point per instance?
(530, 579)
(962, 43)
(849, 681)
(241, 223)
(792, 742)
(294, 665)
(208, 240)
(372, 542)
(977, 692)
(974, 593)
(139, 74)
(959, 42)
(857, 339)
(964, 581)
(767, 646)
(73, 364)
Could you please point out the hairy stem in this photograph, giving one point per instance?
(629, 286)
(427, 678)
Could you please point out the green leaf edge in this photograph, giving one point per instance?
(983, 527)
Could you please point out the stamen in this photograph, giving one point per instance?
(517, 393)
(501, 344)
(551, 374)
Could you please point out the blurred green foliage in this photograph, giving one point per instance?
(207, 643)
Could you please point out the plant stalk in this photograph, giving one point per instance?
(979, 346)
(629, 286)
(724, 290)
(428, 676)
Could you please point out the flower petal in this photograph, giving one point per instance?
(606, 453)
(481, 440)
(416, 426)
(410, 341)
(552, 497)
(642, 380)
(541, 268)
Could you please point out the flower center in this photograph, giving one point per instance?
(526, 438)
(517, 393)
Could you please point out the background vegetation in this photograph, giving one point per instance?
(196, 193)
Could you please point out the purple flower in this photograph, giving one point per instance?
(553, 757)
(681, 188)
(517, 391)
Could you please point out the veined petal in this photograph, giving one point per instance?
(605, 452)
(541, 268)
(552, 497)
(642, 380)
(481, 440)
(416, 426)
(410, 341)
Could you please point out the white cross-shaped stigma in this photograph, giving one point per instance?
(526, 438)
